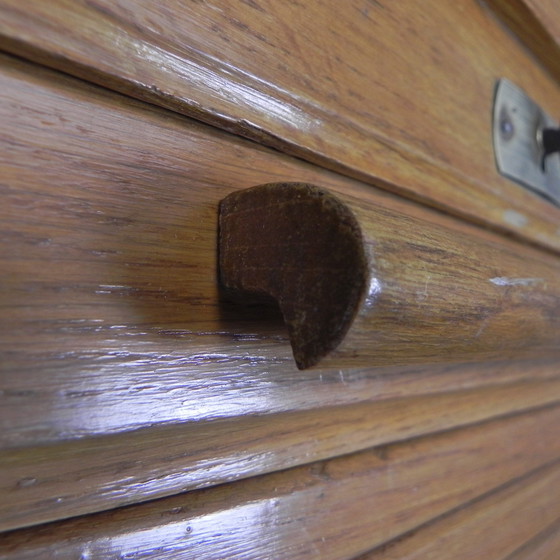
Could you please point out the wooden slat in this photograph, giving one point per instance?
(492, 527)
(111, 320)
(358, 285)
(330, 510)
(40, 484)
(537, 23)
(545, 546)
(398, 94)
(109, 271)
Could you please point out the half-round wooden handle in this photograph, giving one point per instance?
(363, 285)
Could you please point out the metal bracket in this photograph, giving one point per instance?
(518, 123)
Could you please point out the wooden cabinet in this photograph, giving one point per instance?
(143, 413)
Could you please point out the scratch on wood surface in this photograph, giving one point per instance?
(482, 327)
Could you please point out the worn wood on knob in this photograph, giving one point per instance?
(358, 284)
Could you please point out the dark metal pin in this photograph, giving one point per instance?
(550, 141)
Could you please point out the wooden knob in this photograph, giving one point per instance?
(361, 285)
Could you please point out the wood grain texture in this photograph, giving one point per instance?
(330, 510)
(40, 484)
(545, 546)
(497, 526)
(109, 256)
(537, 24)
(394, 93)
(124, 375)
(358, 285)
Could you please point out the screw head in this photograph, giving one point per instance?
(506, 127)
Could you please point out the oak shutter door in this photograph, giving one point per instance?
(263, 290)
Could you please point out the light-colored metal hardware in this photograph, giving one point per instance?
(518, 123)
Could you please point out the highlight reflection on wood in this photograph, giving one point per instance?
(330, 510)
(78, 477)
(360, 285)
(397, 94)
(137, 407)
(124, 377)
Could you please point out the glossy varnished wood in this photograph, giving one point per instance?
(359, 285)
(330, 510)
(110, 254)
(123, 375)
(395, 93)
(92, 474)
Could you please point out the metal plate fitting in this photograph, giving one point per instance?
(518, 124)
